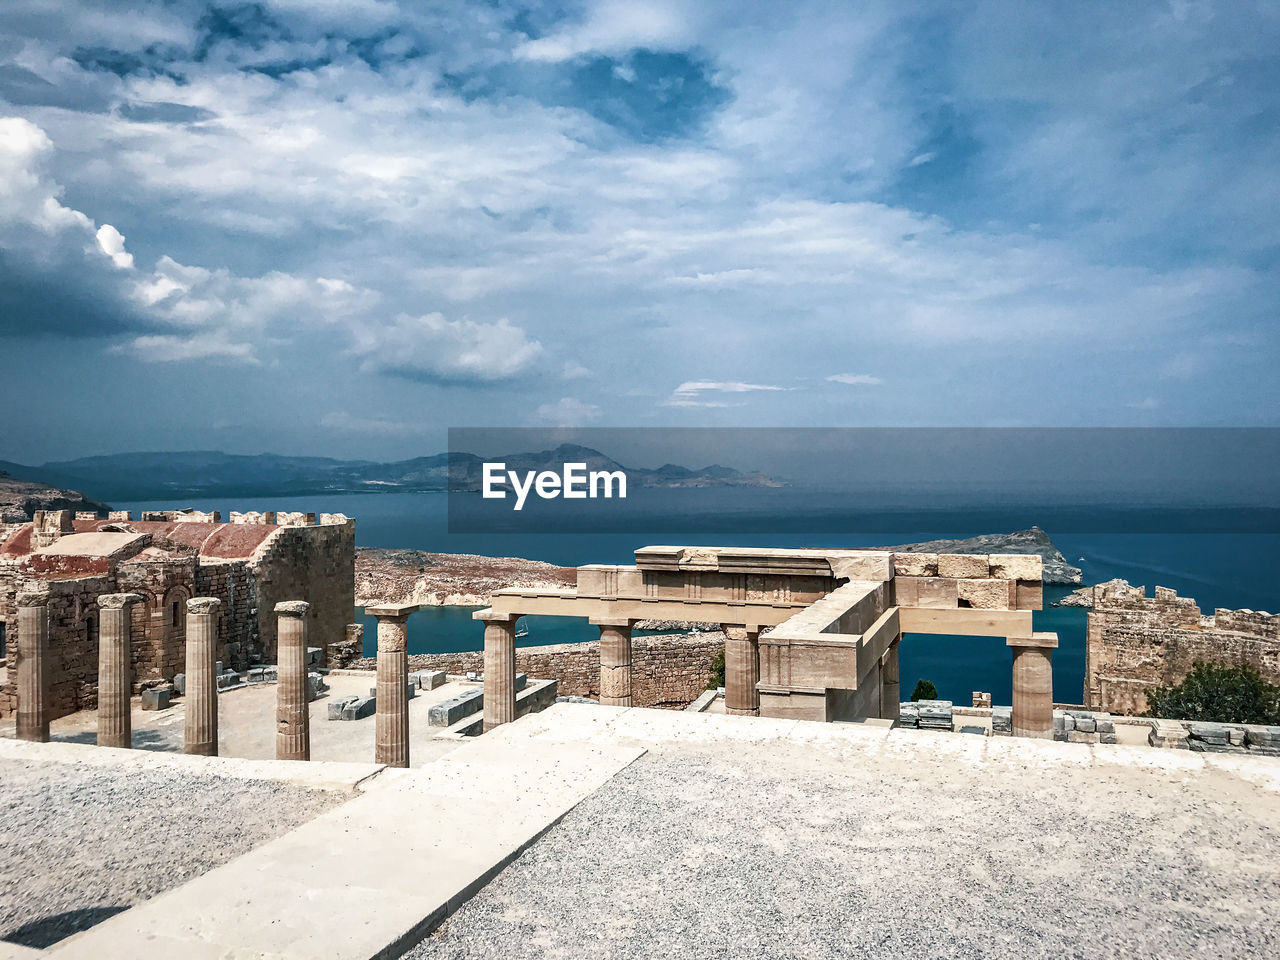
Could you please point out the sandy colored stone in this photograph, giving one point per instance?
(915, 564)
(963, 565)
(1016, 566)
(988, 594)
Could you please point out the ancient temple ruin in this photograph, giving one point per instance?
(71, 563)
(810, 634)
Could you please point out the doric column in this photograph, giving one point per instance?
(1033, 685)
(741, 670)
(392, 717)
(890, 688)
(33, 667)
(615, 661)
(200, 723)
(115, 669)
(293, 718)
(499, 667)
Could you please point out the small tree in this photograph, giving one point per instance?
(1217, 693)
(925, 690)
(717, 671)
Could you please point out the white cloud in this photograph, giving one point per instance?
(690, 393)
(431, 348)
(172, 348)
(856, 379)
(612, 26)
(567, 412)
(111, 243)
(573, 370)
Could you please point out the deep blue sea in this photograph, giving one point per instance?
(1218, 570)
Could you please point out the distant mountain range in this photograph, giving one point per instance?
(164, 476)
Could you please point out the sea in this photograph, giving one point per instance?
(1224, 570)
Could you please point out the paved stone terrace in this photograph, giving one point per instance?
(734, 837)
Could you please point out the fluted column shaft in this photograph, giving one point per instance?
(890, 687)
(499, 668)
(392, 717)
(1032, 714)
(200, 723)
(615, 662)
(33, 668)
(115, 669)
(293, 717)
(741, 670)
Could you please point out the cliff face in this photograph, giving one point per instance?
(448, 579)
(1035, 540)
(20, 499)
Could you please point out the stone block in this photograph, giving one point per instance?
(929, 592)
(1002, 721)
(336, 707)
(428, 679)
(1086, 725)
(986, 594)
(1030, 595)
(935, 714)
(315, 686)
(521, 680)
(180, 684)
(1016, 566)
(980, 731)
(1214, 733)
(360, 708)
(1079, 736)
(315, 656)
(156, 698)
(963, 566)
(448, 712)
(915, 564)
(1260, 736)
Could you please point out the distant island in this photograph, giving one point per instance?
(174, 475)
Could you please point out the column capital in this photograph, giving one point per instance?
(393, 611)
(292, 608)
(116, 601)
(33, 598)
(611, 622)
(738, 631)
(1043, 640)
(488, 616)
(203, 605)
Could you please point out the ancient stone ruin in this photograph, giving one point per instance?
(76, 564)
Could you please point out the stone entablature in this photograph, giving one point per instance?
(169, 558)
(1136, 642)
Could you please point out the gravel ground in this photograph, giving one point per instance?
(746, 852)
(80, 844)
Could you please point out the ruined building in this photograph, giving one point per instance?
(169, 557)
(1136, 642)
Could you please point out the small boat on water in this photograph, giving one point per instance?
(522, 630)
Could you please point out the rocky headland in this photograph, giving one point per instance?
(20, 499)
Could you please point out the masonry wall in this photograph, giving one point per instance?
(666, 671)
(315, 564)
(1136, 642)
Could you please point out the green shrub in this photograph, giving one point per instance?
(717, 672)
(1217, 693)
(925, 690)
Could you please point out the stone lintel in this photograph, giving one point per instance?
(114, 601)
(292, 608)
(203, 605)
(33, 598)
(1045, 640)
(394, 611)
(611, 622)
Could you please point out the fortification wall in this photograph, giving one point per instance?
(667, 671)
(1136, 642)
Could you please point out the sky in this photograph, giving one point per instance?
(339, 227)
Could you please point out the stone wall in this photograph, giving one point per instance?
(315, 564)
(666, 671)
(1136, 642)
